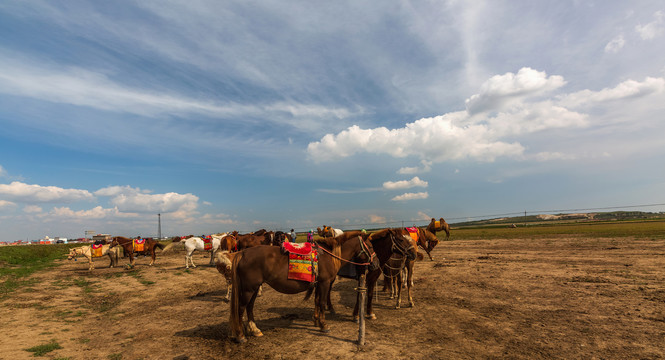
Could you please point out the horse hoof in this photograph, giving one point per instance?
(356, 319)
(241, 340)
(257, 333)
(371, 317)
(325, 330)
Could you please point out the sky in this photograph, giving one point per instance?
(242, 115)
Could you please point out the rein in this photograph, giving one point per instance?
(363, 247)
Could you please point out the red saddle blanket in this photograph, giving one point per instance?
(303, 261)
(303, 267)
(139, 244)
(96, 250)
(413, 231)
(298, 248)
(207, 244)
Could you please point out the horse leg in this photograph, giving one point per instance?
(91, 264)
(324, 295)
(153, 256)
(329, 302)
(370, 283)
(397, 287)
(409, 282)
(251, 325)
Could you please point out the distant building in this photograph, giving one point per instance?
(101, 237)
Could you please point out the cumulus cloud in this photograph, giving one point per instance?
(426, 167)
(501, 91)
(615, 45)
(156, 203)
(32, 209)
(27, 193)
(626, 89)
(652, 29)
(129, 199)
(95, 213)
(509, 107)
(4, 204)
(435, 139)
(411, 196)
(404, 184)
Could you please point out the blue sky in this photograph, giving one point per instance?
(243, 115)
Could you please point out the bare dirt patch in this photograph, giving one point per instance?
(507, 298)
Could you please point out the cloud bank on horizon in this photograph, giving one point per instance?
(212, 114)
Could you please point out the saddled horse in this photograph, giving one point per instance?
(87, 252)
(127, 245)
(194, 243)
(427, 238)
(256, 265)
(395, 251)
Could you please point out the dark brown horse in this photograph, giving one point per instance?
(128, 247)
(256, 265)
(395, 251)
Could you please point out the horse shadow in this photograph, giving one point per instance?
(210, 296)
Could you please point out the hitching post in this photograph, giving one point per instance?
(361, 321)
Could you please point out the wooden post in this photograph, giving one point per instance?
(361, 315)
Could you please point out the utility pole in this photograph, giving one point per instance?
(159, 226)
(524, 218)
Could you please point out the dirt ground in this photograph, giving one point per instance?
(563, 298)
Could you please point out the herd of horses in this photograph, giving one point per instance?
(249, 260)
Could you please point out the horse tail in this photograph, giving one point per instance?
(236, 287)
(309, 292)
(170, 246)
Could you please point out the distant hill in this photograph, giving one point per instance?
(562, 218)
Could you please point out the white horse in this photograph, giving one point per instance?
(196, 243)
(87, 252)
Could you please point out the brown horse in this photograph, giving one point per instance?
(261, 237)
(427, 238)
(256, 265)
(128, 247)
(395, 251)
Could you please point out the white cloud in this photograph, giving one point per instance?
(4, 204)
(652, 29)
(95, 213)
(3, 172)
(422, 216)
(404, 184)
(626, 89)
(32, 209)
(500, 91)
(119, 190)
(435, 139)
(513, 106)
(156, 203)
(615, 45)
(21, 192)
(376, 219)
(411, 196)
(426, 167)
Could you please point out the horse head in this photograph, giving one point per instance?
(72, 254)
(403, 243)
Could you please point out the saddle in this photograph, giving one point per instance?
(413, 231)
(207, 243)
(96, 250)
(139, 245)
(303, 261)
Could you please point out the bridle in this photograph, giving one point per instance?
(401, 253)
(364, 249)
